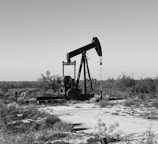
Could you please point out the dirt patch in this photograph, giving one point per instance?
(85, 117)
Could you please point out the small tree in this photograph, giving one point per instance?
(48, 82)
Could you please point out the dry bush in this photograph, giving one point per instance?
(12, 118)
(50, 121)
(52, 136)
(102, 130)
(11, 138)
(155, 104)
(93, 141)
(62, 126)
(129, 102)
(13, 129)
(105, 103)
(148, 138)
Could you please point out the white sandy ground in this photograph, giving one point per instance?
(88, 115)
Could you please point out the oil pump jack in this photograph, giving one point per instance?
(71, 87)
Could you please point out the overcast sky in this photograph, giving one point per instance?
(35, 36)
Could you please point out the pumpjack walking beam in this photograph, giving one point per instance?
(95, 44)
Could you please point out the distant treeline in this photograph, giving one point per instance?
(46, 81)
(123, 86)
(126, 86)
(4, 85)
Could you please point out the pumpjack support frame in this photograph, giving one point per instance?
(84, 62)
(68, 64)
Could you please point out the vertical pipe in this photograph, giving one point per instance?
(63, 68)
(101, 87)
(85, 86)
(74, 70)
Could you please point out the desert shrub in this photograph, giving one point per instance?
(148, 138)
(52, 136)
(103, 103)
(126, 86)
(129, 102)
(31, 112)
(62, 126)
(4, 88)
(3, 121)
(14, 138)
(7, 112)
(145, 86)
(55, 124)
(12, 116)
(155, 104)
(40, 93)
(14, 131)
(58, 135)
(93, 141)
(50, 121)
(108, 132)
(32, 137)
(124, 82)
